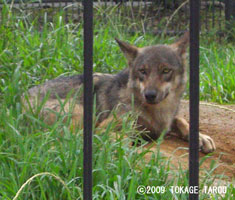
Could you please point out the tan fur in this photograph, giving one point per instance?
(182, 128)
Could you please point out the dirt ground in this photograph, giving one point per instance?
(217, 122)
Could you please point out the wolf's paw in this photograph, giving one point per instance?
(206, 143)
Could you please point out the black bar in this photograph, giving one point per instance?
(88, 99)
(229, 13)
(228, 10)
(194, 96)
(213, 13)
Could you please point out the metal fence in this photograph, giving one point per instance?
(168, 16)
(150, 6)
(194, 98)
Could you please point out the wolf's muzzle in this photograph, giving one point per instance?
(155, 97)
(150, 96)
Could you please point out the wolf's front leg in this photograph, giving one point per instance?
(181, 127)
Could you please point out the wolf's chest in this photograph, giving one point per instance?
(157, 120)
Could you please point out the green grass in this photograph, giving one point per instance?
(217, 73)
(28, 146)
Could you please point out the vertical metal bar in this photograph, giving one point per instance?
(194, 96)
(186, 14)
(206, 10)
(220, 17)
(60, 6)
(152, 13)
(105, 4)
(229, 14)
(227, 10)
(66, 11)
(72, 8)
(213, 13)
(88, 99)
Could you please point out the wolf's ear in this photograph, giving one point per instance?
(180, 46)
(130, 51)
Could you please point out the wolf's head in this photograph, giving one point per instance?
(155, 71)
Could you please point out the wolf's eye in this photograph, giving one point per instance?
(166, 71)
(143, 71)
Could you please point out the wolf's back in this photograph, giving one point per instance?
(59, 87)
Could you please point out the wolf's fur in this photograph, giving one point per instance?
(156, 78)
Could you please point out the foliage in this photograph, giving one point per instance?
(31, 53)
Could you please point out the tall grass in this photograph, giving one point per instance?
(217, 73)
(29, 56)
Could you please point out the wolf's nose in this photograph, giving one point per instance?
(150, 95)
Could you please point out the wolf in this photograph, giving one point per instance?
(154, 80)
